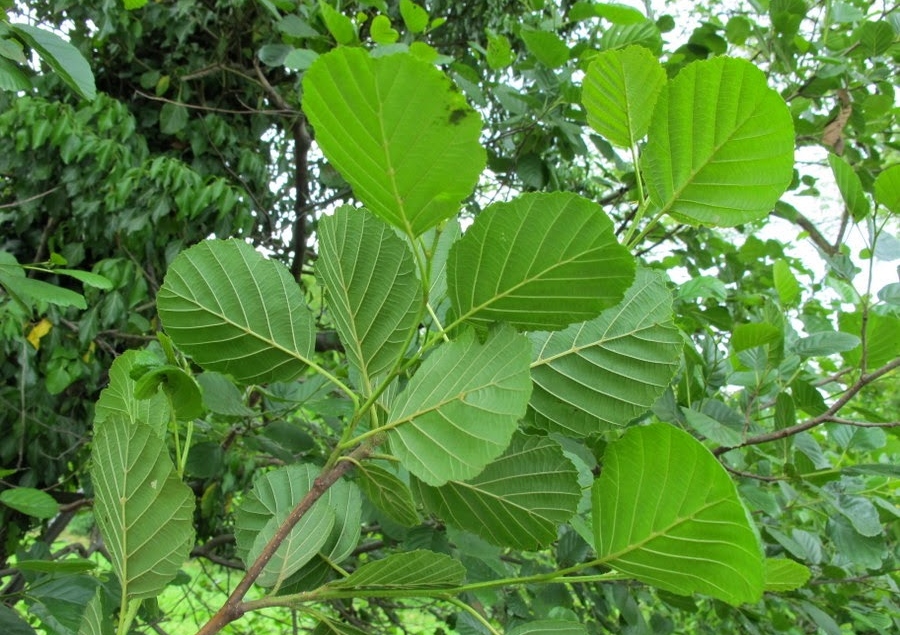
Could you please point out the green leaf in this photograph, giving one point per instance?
(382, 32)
(461, 407)
(547, 47)
(300, 59)
(518, 501)
(414, 17)
(680, 526)
(419, 569)
(786, 284)
(30, 501)
(144, 512)
(619, 91)
(118, 398)
(221, 396)
(861, 513)
(66, 566)
(328, 627)
(784, 575)
(711, 428)
(619, 13)
(721, 145)
(61, 56)
(746, 336)
(340, 26)
(134, 4)
(11, 49)
(373, 292)
(609, 370)
(850, 187)
(13, 79)
(540, 262)
(236, 312)
(875, 38)
(96, 619)
(499, 51)
(12, 624)
(398, 131)
(37, 290)
(172, 118)
(388, 493)
(182, 389)
(549, 627)
(882, 337)
(865, 551)
(825, 343)
(59, 603)
(91, 279)
(330, 527)
(887, 188)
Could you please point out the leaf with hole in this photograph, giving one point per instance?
(236, 312)
(540, 262)
(667, 513)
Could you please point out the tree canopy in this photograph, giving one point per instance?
(457, 317)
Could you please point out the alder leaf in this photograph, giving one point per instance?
(419, 569)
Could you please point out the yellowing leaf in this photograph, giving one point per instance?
(38, 331)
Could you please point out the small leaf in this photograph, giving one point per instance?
(875, 38)
(784, 575)
(39, 291)
(221, 396)
(619, 91)
(66, 566)
(91, 279)
(546, 46)
(461, 407)
(711, 428)
(340, 26)
(887, 188)
(746, 336)
(499, 51)
(118, 398)
(172, 118)
(518, 501)
(540, 262)
(549, 627)
(12, 624)
(300, 59)
(414, 17)
(681, 526)
(417, 569)
(882, 337)
(143, 510)
(850, 187)
(388, 493)
(825, 343)
(236, 312)
(13, 79)
(38, 331)
(381, 31)
(182, 389)
(61, 56)
(720, 149)
(30, 501)
(786, 284)
(398, 131)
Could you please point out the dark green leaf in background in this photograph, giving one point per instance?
(30, 501)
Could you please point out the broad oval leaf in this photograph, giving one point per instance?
(518, 501)
(332, 528)
(887, 188)
(720, 149)
(540, 262)
(373, 292)
(144, 512)
(667, 513)
(785, 575)
(419, 569)
(609, 370)
(461, 407)
(236, 312)
(398, 131)
(620, 88)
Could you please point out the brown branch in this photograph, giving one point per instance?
(226, 111)
(814, 234)
(234, 607)
(825, 417)
(758, 477)
(864, 424)
(30, 198)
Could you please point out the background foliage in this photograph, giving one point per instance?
(231, 119)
